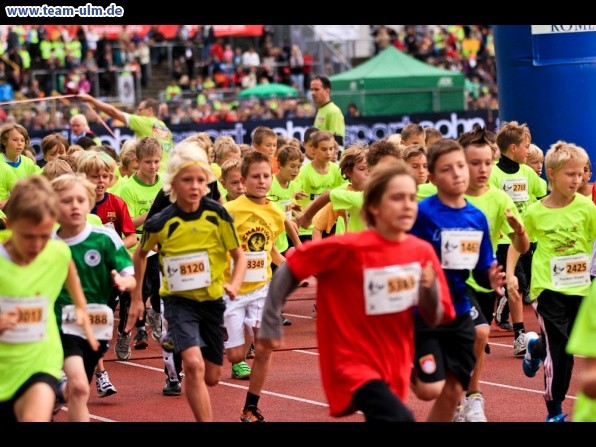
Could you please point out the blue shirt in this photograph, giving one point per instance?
(435, 217)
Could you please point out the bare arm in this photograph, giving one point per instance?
(292, 232)
(519, 238)
(512, 282)
(305, 217)
(130, 240)
(139, 220)
(429, 304)
(587, 382)
(104, 107)
(276, 257)
(137, 306)
(238, 274)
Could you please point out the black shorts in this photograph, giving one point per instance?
(196, 323)
(75, 345)
(482, 306)
(7, 407)
(449, 347)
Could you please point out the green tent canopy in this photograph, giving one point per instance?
(269, 90)
(392, 83)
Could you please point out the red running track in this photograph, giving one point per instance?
(293, 391)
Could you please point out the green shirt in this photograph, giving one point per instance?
(524, 187)
(24, 167)
(96, 251)
(425, 190)
(566, 231)
(150, 126)
(330, 118)
(283, 198)
(582, 341)
(34, 288)
(351, 201)
(7, 181)
(315, 184)
(493, 204)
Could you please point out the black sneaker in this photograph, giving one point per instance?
(141, 340)
(172, 388)
(526, 299)
(285, 321)
(251, 414)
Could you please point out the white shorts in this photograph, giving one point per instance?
(244, 310)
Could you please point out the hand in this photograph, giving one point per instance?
(515, 224)
(428, 275)
(82, 319)
(231, 291)
(302, 221)
(135, 312)
(85, 97)
(118, 281)
(496, 276)
(300, 195)
(9, 319)
(294, 224)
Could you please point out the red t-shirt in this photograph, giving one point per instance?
(354, 347)
(594, 193)
(112, 209)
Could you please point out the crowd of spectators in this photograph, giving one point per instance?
(207, 71)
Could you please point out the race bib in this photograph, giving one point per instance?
(569, 271)
(188, 272)
(460, 249)
(516, 188)
(287, 204)
(33, 313)
(391, 289)
(256, 269)
(101, 318)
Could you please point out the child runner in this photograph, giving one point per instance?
(34, 268)
(103, 262)
(503, 217)
(564, 226)
(258, 223)
(193, 234)
(367, 286)
(444, 360)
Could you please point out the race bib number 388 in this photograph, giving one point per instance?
(101, 318)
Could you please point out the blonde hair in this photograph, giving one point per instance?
(68, 181)
(74, 148)
(350, 158)
(229, 166)
(413, 150)
(32, 198)
(223, 146)
(184, 154)
(93, 162)
(561, 153)
(56, 168)
(128, 153)
(534, 154)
